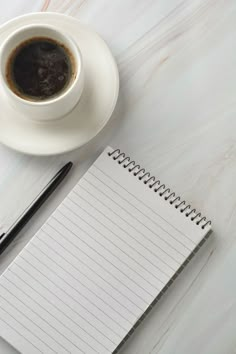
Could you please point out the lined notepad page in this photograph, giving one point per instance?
(95, 266)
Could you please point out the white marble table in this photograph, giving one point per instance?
(176, 115)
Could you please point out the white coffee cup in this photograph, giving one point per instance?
(55, 107)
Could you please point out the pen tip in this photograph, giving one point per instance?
(65, 169)
(69, 164)
(2, 235)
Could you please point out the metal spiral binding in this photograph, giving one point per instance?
(156, 186)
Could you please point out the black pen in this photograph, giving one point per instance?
(8, 237)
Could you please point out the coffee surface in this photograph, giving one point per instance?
(39, 68)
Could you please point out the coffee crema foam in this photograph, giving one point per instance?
(40, 68)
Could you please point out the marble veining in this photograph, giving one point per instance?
(176, 117)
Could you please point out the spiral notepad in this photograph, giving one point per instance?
(99, 264)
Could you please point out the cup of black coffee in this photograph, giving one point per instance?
(42, 72)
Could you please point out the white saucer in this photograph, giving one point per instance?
(93, 110)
